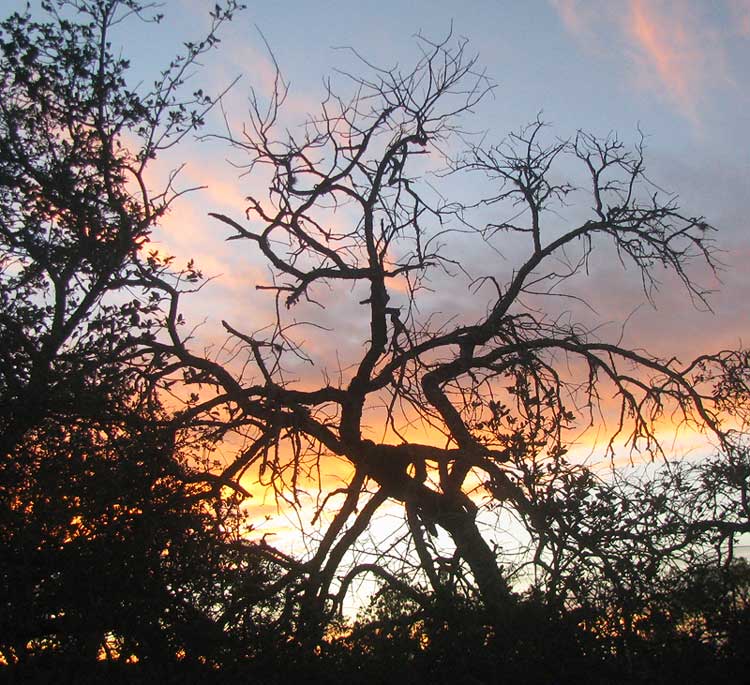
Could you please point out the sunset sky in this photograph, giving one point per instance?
(479, 369)
(678, 70)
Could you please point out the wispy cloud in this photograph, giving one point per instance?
(677, 51)
(740, 12)
(577, 15)
(673, 49)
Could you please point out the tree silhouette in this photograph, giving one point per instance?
(499, 378)
(107, 541)
(430, 336)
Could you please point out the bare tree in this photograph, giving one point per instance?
(498, 388)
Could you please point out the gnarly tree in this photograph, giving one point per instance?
(498, 384)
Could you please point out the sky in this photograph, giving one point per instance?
(678, 71)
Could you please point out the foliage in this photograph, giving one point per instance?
(109, 549)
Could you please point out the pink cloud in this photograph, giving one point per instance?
(677, 52)
(674, 49)
(663, 49)
(740, 12)
(576, 15)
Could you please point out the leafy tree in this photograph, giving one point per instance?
(109, 545)
(102, 542)
(75, 143)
